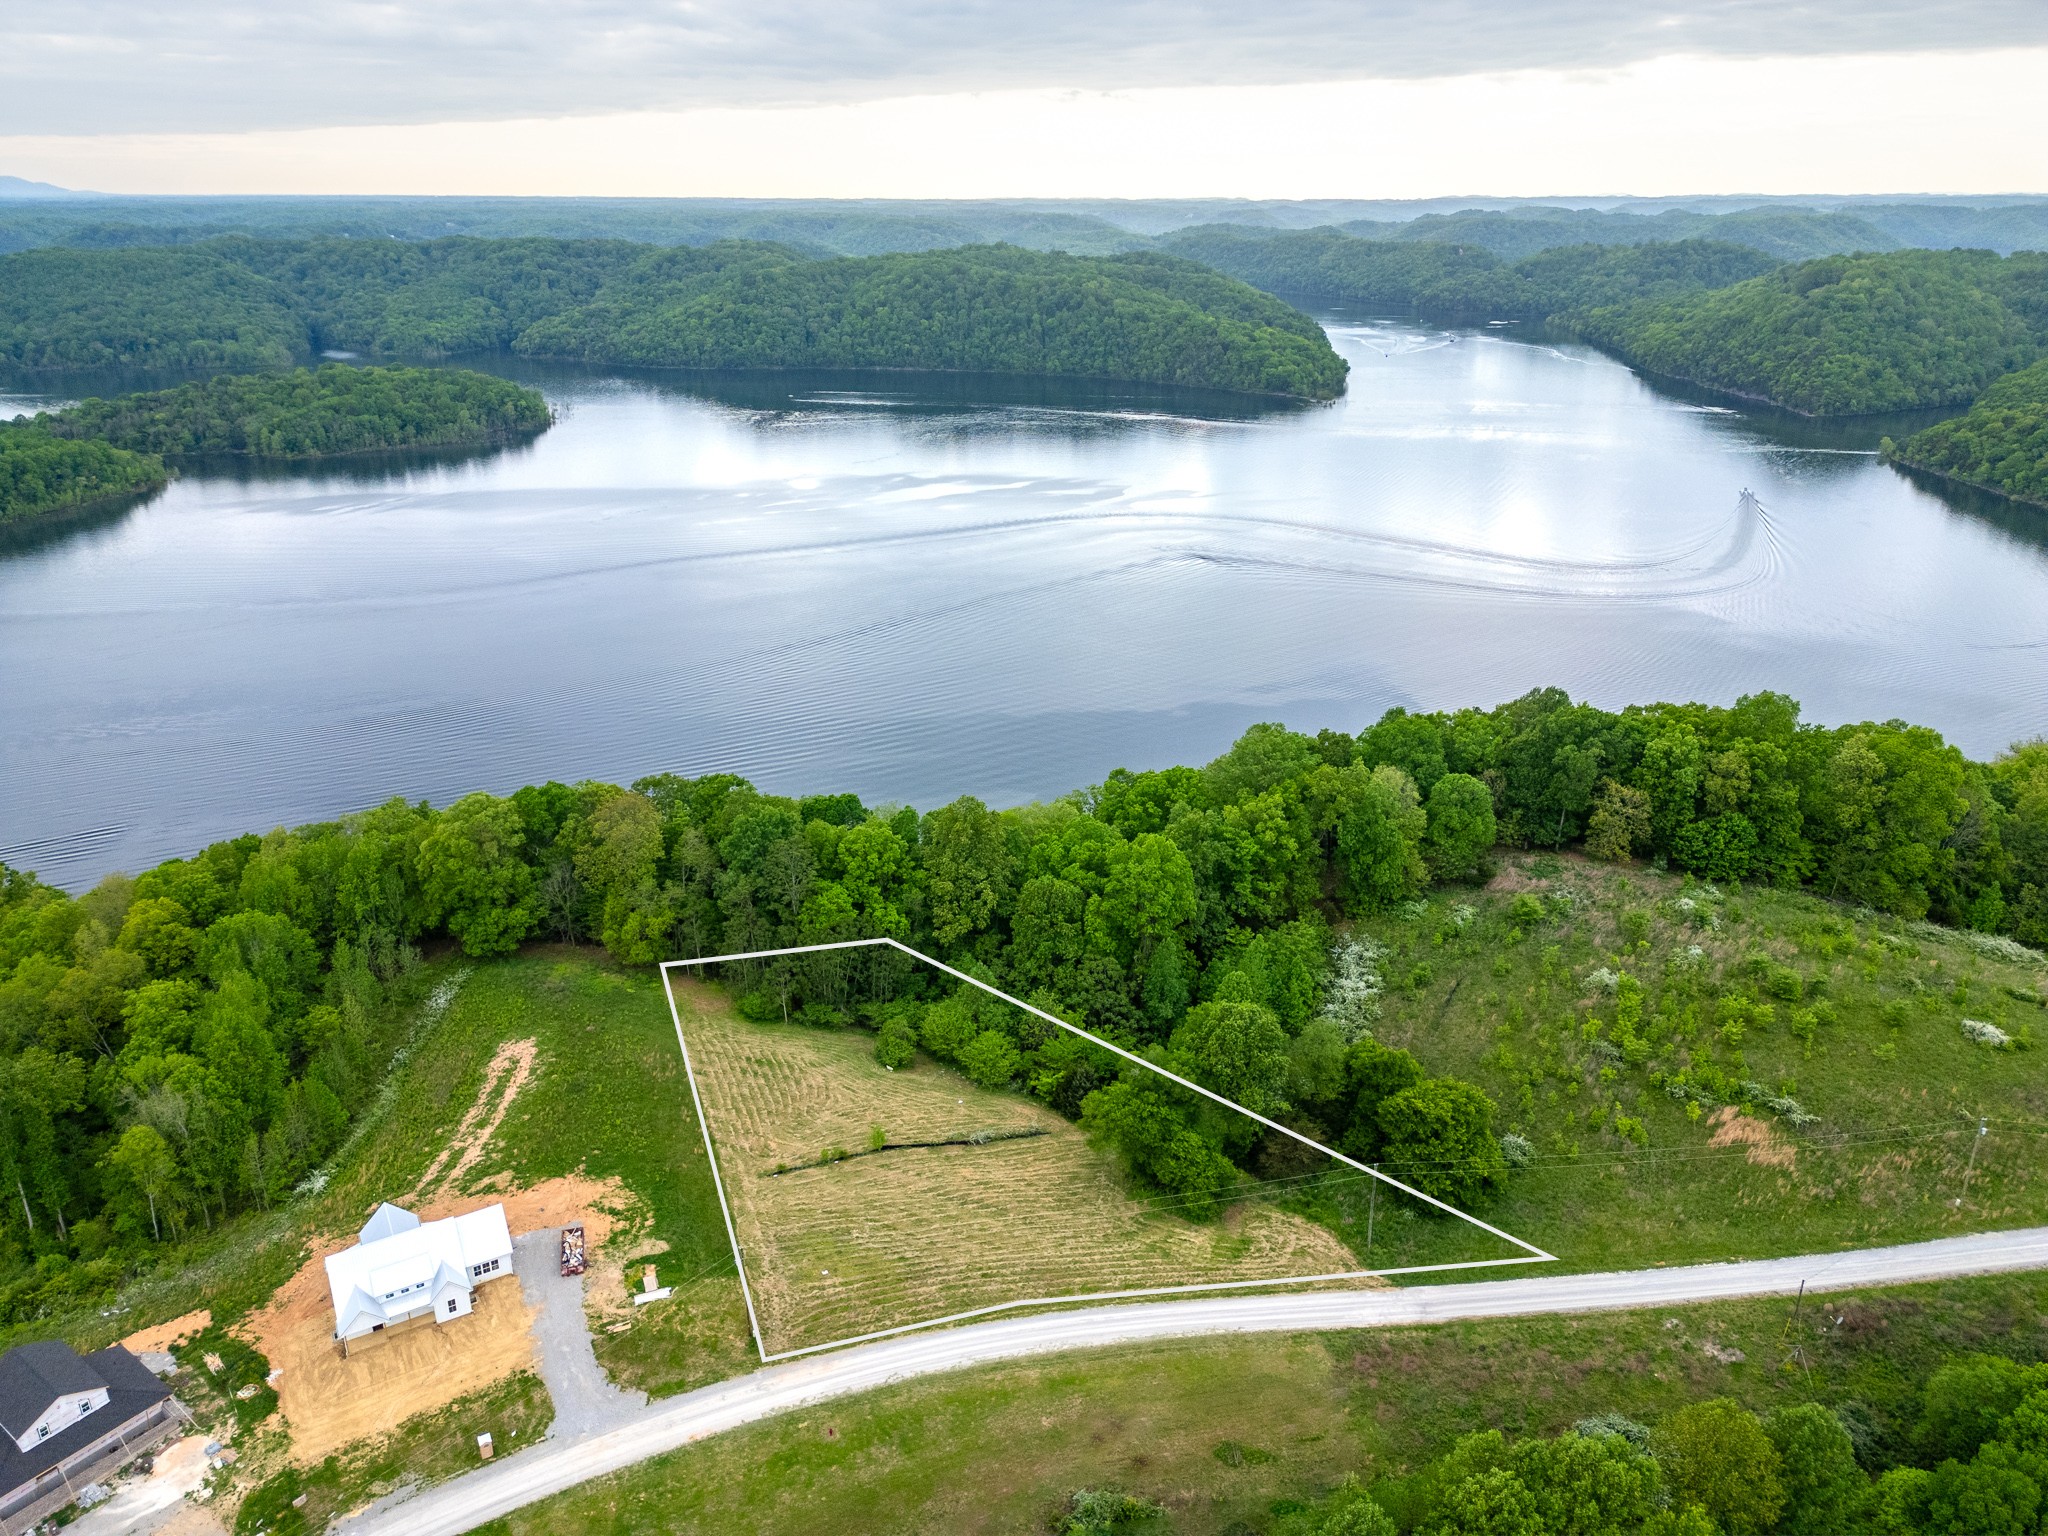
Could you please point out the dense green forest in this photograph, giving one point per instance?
(1836, 336)
(194, 1041)
(310, 412)
(251, 304)
(979, 309)
(1466, 279)
(1973, 1462)
(41, 473)
(824, 227)
(2001, 444)
(1786, 234)
(1846, 335)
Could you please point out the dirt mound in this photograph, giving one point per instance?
(600, 1204)
(159, 1339)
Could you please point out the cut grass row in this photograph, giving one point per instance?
(860, 1245)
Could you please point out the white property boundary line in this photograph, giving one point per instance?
(1534, 1254)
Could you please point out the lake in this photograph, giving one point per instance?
(918, 588)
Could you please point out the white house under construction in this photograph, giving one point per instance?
(402, 1268)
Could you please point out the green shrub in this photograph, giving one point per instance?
(896, 1045)
(1716, 1455)
(990, 1060)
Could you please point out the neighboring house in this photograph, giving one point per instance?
(402, 1268)
(68, 1416)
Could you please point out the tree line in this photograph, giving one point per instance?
(1839, 335)
(241, 303)
(1969, 1457)
(2000, 444)
(1458, 279)
(309, 413)
(191, 1042)
(40, 473)
(99, 449)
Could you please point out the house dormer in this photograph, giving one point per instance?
(46, 1388)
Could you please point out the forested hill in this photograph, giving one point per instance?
(2000, 445)
(310, 413)
(1835, 336)
(242, 303)
(1847, 335)
(100, 449)
(40, 473)
(1463, 279)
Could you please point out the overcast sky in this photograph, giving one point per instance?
(1098, 97)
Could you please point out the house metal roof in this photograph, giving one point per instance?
(391, 1276)
(131, 1390)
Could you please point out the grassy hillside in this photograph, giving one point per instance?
(2000, 444)
(840, 1242)
(608, 1100)
(1703, 1074)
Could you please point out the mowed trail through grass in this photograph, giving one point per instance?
(914, 1233)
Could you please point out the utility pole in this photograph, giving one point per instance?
(1983, 1130)
(1798, 1351)
(1372, 1206)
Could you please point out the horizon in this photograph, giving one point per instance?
(863, 101)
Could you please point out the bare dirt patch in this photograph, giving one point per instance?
(1732, 1128)
(163, 1336)
(909, 1235)
(329, 1401)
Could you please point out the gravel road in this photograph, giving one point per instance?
(493, 1491)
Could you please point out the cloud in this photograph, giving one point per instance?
(141, 66)
(1873, 123)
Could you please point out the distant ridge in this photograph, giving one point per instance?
(16, 187)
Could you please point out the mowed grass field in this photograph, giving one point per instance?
(1856, 1019)
(1230, 1433)
(906, 1235)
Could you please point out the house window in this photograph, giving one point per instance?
(452, 1304)
(42, 1431)
(84, 1406)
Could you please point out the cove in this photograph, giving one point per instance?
(917, 588)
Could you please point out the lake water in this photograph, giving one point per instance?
(917, 589)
